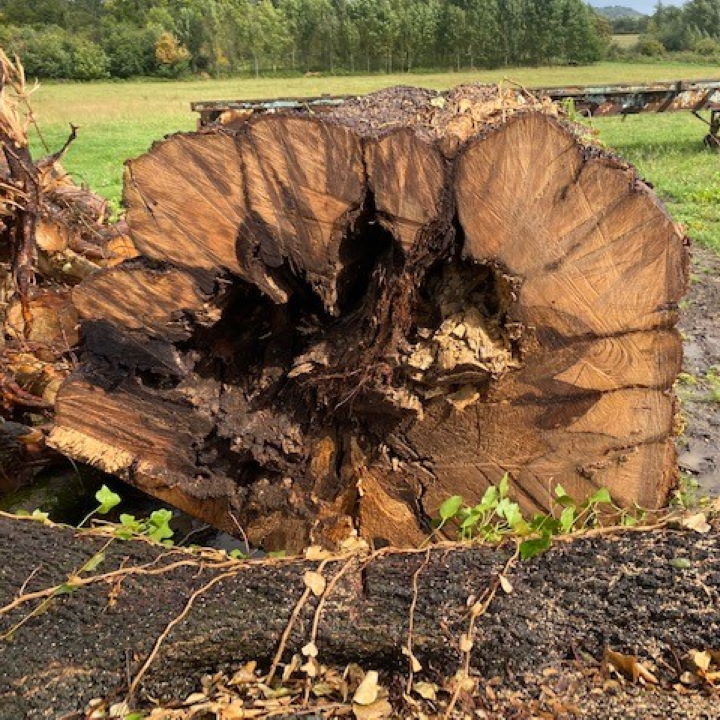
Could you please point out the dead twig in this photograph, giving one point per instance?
(299, 605)
(318, 614)
(478, 609)
(411, 621)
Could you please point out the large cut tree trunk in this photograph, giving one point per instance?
(621, 592)
(338, 322)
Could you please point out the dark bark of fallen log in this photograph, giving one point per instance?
(621, 591)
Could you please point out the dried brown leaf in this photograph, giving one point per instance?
(310, 650)
(246, 674)
(426, 690)
(506, 585)
(701, 660)
(697, 522)
(316, 552)
(315, 581)
(374, 711)
(368, 690)
(629, 667)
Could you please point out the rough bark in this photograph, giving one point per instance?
(340, 321)
(624, 591)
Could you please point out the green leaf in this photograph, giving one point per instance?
(629, 521)
(681, 563)
(534, 546)
(93, 562)
(278, 554)
(489, 500)
(38, 514)
(471, 520)
(66, 589)
(134, 716)
(238, 554)
(129, 526)
(567, 519)
(504, 486)
(545, 524)
(511, 512)
(449, 509)
(158, 525)
(560, 491)
(490, 534)
(602, 496)
(501, 508)
(107, 499)
(566, 501)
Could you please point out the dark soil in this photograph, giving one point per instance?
(699, 387)
(544, 639)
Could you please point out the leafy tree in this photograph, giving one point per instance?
(582, 43)
(172, 57)
(130, 50)
(88, 38)
(483, 23)
(88, 59)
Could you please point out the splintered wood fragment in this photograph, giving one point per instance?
(337, 322)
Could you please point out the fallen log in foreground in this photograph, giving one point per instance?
(338, 322)
(654, 593)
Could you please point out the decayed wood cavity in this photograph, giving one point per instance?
(336, 323)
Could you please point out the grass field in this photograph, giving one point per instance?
(625, 41)
(121, 120)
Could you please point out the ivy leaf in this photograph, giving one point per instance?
(681, 563)
(567, 519)
(602, 496)
(129, 526)
(66, 589)
(534, 546)
(450, 508)
(93, 562)
(158, 525)
(107, 499)
(489, 499)
(38, 514)
(504, 486)
(129, 521)
(545, 524)
(471, 520)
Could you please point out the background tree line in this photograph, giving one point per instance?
(694, 26)
(87, 39)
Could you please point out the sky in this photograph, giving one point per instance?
(644, 6)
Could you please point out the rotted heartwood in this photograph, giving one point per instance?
(339, 320)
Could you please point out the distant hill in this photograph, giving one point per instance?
(613, 12)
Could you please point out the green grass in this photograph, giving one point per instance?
(625, 41)
(668, 151)
(119, 120)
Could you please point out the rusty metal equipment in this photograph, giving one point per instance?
(590, 100)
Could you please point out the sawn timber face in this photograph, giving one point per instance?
(336, 327)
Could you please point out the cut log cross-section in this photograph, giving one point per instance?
(338, 322)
